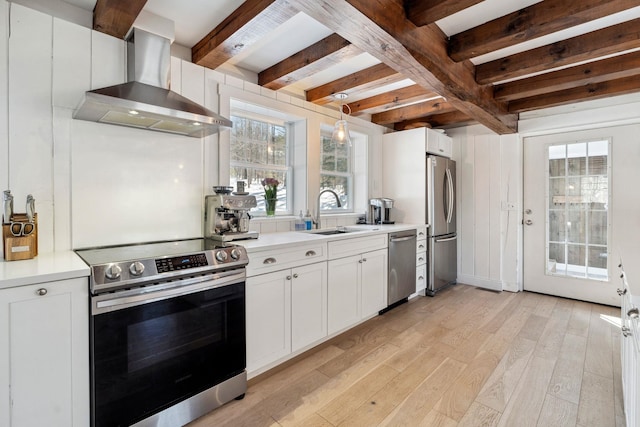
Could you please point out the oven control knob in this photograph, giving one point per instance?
(113, 272)
(221, 256)
(137, 268)
(236, 253)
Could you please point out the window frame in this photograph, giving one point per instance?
(287, 169)
(326, 133)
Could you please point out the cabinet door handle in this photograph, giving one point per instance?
(41, 292)
(310, 253)
(626, 331)
(360, 261)
(622, 291)
(269, 261)
(364, 260)
(288, 277)
(295, 275)
(420, 259)
(634, 313)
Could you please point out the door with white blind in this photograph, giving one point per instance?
(569, 210)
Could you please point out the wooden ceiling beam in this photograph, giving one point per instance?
(412, 112)
(372, 78)
(115, 17)
(419, 53)
(246, 25)
(392, 99)
(607, 41)
(451, 119)
(425, 12)
(529, 23)
(582, 93)
(329, 51)
(593, 72)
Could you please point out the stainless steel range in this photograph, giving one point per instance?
(167, 331)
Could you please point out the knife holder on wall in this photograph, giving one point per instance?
(20, 247)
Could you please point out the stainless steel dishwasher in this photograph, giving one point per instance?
(402, 267)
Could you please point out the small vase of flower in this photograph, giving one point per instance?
(270, 186)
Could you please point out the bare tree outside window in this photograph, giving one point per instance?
(336, 174)
(260, 150)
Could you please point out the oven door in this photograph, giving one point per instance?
(154, 350)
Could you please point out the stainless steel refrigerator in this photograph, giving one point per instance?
(441, 217)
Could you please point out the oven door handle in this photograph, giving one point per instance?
(112, 302)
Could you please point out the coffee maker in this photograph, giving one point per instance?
(226, 216)
(380, 210)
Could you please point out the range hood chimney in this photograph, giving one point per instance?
(145, 101)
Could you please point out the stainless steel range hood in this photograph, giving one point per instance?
(146, 101)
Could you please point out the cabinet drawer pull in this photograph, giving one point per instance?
(41, 292)
(360, 261)
(420, 278)
(288, 277)
(420, 259)
(421, 247)
(633, 313)
(269, 261)
(310, 253)
(295, 275)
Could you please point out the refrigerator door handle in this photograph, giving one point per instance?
(446, 239)
(450, 197)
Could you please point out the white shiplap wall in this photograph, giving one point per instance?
(98, 184)
(489, 187)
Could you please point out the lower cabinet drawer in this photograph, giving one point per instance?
(421, 258)
(421, 277)
(268, 261)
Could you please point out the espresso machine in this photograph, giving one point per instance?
(226, 216)
(380, 210)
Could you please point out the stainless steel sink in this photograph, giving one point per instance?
(332, 231)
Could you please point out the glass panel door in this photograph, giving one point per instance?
(577, 209)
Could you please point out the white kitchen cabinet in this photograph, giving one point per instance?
(286, 312)
(421, 259)
(344, 292)
(438, 143)
(630, 354)
(357, 286)
(268, 306)
(308, 305)
(44, 367)
(374, 282)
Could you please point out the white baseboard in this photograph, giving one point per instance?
(494, 285)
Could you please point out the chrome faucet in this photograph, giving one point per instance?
(326, 190)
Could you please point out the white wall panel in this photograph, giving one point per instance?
(71, 63)
(71, 78)
(30, 118)
(494, 185)
(4, 97)
(482, 207)
(131, 186)
(465, 171)
(108, 60)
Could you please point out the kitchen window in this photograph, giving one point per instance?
(336, 173)
(260, 148)
(578, 209)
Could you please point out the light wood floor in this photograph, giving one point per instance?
(468, 357)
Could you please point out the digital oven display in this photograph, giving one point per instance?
(181, 262)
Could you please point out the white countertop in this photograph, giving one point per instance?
(269, 241)
(43, 268)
